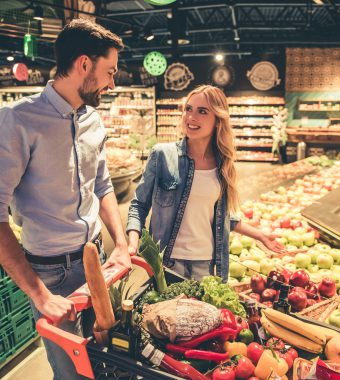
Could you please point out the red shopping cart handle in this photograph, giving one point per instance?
(73, 345)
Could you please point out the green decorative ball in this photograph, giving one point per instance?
(155, 63)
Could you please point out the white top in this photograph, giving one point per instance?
(195, 239)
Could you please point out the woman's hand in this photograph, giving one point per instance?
(271, 243)
(133, 242)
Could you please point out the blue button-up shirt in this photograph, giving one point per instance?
(53, 172)
(165, 186)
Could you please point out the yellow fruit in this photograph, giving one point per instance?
(332, 350)
(329, 333)
(235, 348)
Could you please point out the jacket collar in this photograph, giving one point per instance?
(182, 149)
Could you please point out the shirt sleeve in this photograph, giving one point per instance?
(233, 221)
(14, 157)
(142, 201)
(103, 183)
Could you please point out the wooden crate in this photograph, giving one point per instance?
(321, 310)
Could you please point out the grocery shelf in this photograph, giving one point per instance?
(255, 159)
(254, 145)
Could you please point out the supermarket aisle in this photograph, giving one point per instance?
(32, 364)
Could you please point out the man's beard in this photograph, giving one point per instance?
(90, 98)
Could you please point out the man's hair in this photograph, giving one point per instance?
(83, 37)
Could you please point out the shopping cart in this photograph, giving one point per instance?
(92, 360)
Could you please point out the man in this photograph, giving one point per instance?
(55, 180)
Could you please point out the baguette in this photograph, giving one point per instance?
(96, 283)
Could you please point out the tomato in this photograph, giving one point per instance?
(224, 373)
(287, 357)
(254, 352)
(293, 353)
(253, 378)
(244, 368)
(275, 343)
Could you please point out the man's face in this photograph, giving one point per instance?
(99, 79)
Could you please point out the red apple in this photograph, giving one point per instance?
(268, 295)
(257, 283)
(295, 224)
(311, 302)
(312, 291)
(327, 288)
(298, 300)
(286, 274)
(255, 296)
(248, 213)
(275, 278)
(268, 304)
(285, 222)
(298, 289)
(299, 278)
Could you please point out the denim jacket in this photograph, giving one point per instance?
(165, 186)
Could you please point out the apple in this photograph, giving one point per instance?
(323, 248)
(298, 300)
(295, 224)
(313, 268)
(334, 318)
(252, 267)
(275, 279)
(327, 288)
(236, 246)
(332, 350)
(300, 230)
(311, 302)
(245, 255)
(268, 295)
(233, 281)
(312, 291)
(281, 240)
(248, 213)
(257, 283)
(257, 254)
(335, 269)
(246, 241)
(286, 274)
(236, 269)
(291, 248)
(287, 259)
(295, 239)
(285, 222)
(335, 253)
(308, 238)
(299, 278)
(302, 260)
(291, 267)
(315, 277)
(324, 261)
(313, 253)
(233, 258)
(266, 265)
(255, 296)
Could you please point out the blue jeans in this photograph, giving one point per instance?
(193, 269)
(63, 279)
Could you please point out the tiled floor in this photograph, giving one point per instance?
(33, 365)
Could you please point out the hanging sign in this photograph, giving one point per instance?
(177, 77)
(155, 63)
(264, 76)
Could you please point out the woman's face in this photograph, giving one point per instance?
(198, 119)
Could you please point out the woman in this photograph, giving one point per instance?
(191, 187)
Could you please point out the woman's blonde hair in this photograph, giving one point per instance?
(224, 140)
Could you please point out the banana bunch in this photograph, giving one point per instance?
(299, 334)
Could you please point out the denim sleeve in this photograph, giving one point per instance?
(233, 221)
(103, 183)
(14, 157)
(142, 201)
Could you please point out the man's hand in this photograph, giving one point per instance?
(119, 255)
(271, 243)
(56, 308)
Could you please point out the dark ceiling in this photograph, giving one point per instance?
(232, 27)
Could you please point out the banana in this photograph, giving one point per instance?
(307, 330)
(329, 333)
(290, 337)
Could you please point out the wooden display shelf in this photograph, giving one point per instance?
(313, 135)
(254, 145)
(250, 134)
(257, 159)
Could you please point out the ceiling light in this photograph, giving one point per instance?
(38, 13)
(148, 35)
(236, 38)
(219, 57)
(128, 32)
(169, 15)
(10, 58)
(319, 2)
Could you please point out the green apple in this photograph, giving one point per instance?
(246, 241)
(326, 273)
(282, 240)
(336, 278)
(281, 190)
(245, 255)
(291, 248)
(323, 248)
(232, 281)
(308, 238)
(236, 246)
(334, 318)
(302, 260)
(324, 261)
(313, 253)
(315, 277)
(252, 267)
(266, 265)
(277, 262)
(236, 270)
(313, 268)
(335, 253)
(234, 258)
(295, 239)
(290, 266)
(287, 259)
(300, 231)
(335, 269)
(257, 254)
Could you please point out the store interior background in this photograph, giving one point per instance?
(298, 39)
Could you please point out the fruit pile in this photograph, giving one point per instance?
(303, 292)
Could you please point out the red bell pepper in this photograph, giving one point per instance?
(228, 319)
(206, 355)
(221, 332)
